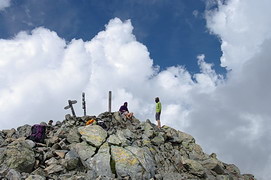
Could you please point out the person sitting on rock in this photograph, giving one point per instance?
(125, 112)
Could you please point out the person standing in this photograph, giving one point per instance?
(158, 111)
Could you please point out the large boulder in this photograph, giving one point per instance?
(93, 134)
(194, 167)
(72, 160)
(84, 150)
(73, 136)
(24, 131)
(20, 156)
(145, 158)
(99, 165)
(214, 164)
(126, 164)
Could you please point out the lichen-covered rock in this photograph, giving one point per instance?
(14, 175)
(35, 177)
(20, 156)
(93, 134)
(84, 150)
(114, 140)
(127, 149)
(126, 164)
(214, 164)
(72, 160)
(73, 136)
(148, 130)
(24, 131)
(194, 167)
(54, 168)
(158, 140)
(100, 164)
(145, 158)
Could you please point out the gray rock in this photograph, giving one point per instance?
(9, 133)
(122, 138)
(14, 175)
(60, 153)
(248, 177)
(126, 164)
(148, 130)
(30, 143)
(99, 165)
(117, 116)
(54, 168)
(51, 161)
(213, 164)
(35, 177)
(73, 136)
(233, 169)
(93, 134)
(194, 167)
(51, 141)
(158, 140)
(20, 156)
(145, 158)
(114, 140)
(174, 176)
(2, 155)
(223, 177)
(24, 131)
(127, 150)
(72, 160)
(84, 150)
(2, 140)
(196, 152)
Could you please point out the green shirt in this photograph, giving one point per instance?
(158, 107)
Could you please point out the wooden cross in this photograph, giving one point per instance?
(71, 102)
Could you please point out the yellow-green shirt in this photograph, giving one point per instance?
(158, 107)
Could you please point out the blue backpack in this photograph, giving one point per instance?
(38, 133)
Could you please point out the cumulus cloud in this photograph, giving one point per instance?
(40, 71)
(4, 4)
(243, 26)
(234, 119)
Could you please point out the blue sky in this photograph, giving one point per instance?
(174, 31)
(52, 51)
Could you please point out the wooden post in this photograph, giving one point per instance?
(70, 102)
(84, 104)
(109, 101)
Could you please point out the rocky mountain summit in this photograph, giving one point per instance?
(122, 149)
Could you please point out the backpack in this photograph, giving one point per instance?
(102, 124)
(91, 121)
(38, 133)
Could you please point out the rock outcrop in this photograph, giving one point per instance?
(120, 149)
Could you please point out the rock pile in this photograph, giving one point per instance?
(122, 149)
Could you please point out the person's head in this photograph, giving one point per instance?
(125, 104)
(157, 99)
(50, 122)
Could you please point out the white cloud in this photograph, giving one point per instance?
(4, 4)
(234, 118)
(243, 26)
(39, 72)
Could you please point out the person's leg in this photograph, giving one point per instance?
(159, 123)
(157, 117)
